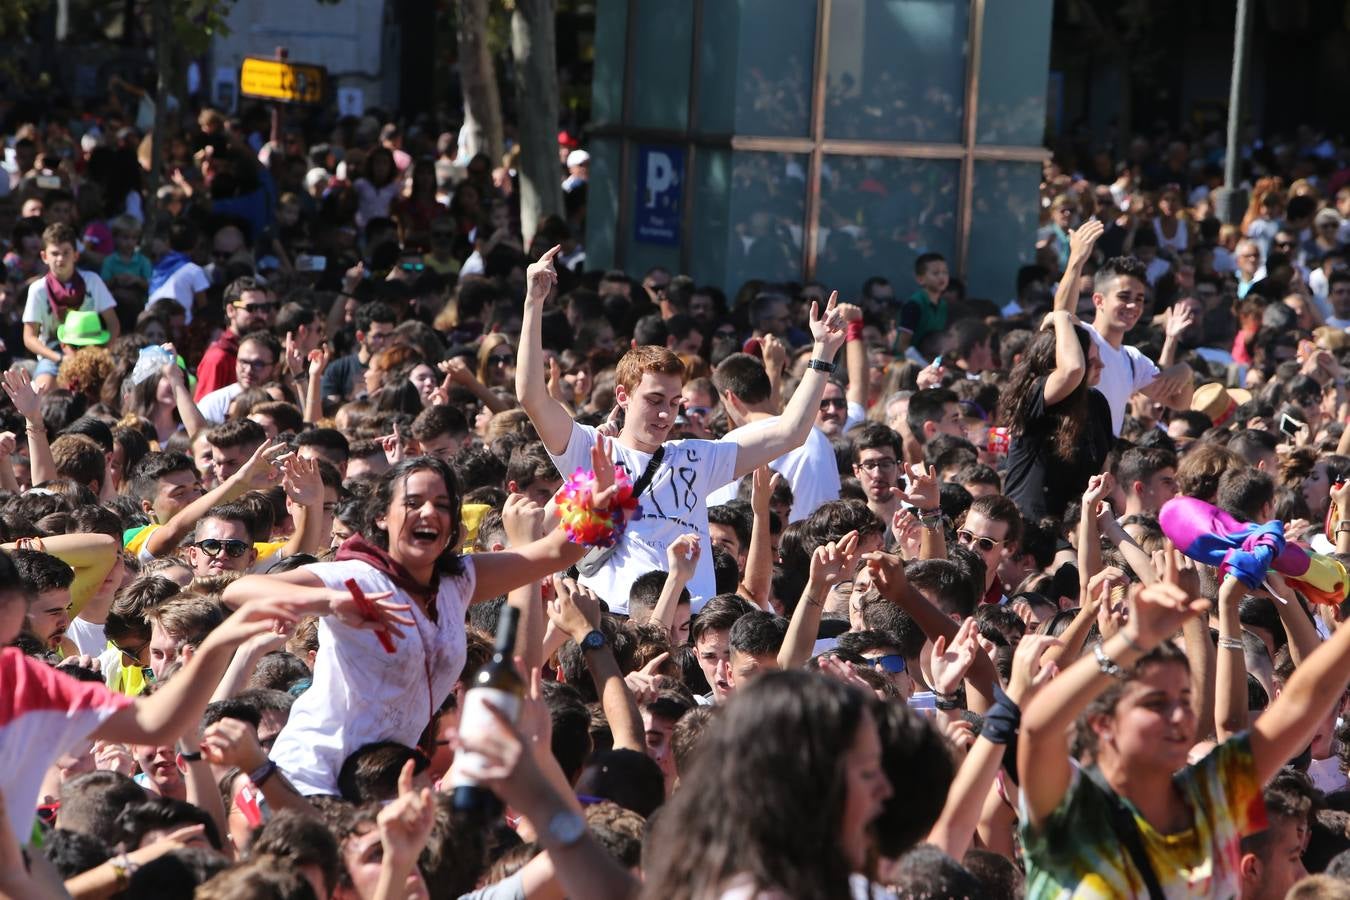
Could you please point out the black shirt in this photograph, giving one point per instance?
(1037, 480)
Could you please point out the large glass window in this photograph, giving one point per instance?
(1004, 210)
(897, 70)
(660, 58)
(756, 79)
(611, 26)
(767, 217)
(603, 196)
(1015, 59)
(878, 215)
(712, 209)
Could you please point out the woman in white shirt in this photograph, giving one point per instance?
(377, 187)
(404, 560)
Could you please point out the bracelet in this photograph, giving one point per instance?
(262, 773)
(1130, 642)
(950, 698)
(1107, 665)
(946, 705)
(929, 520)
(190, 757)
(1342, 525)
(853, 331)
(123, 868)
(1227, 643)
(821, 365)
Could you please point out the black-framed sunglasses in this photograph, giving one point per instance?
(132, 653)
(891, 663)
(213, 546)
(255, 307)
(498, 360)
(837, 402)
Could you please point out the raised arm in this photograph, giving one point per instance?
(829, 564)
(681, 564)
(1176, 321)
(757, 580)
(193, 420)
(925, 495)
(1099, 487)
(1287, 725)
(550, 418)
(1070, 366)
(92, 556)
(1156, 612)
(1081, 241)
(565, 611)
(888, 574)
(1302, 633)
(19, 387)
(256, 473)
(760, 446)
(1230, 690)
(524, 524)
(304, 487)
(855, 354)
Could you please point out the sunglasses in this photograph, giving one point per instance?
(131, 653)
(891, 663)
(970, 539)
(502, 360)
(213, 546)
(837, 402)
(256, 307)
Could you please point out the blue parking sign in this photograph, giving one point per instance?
(657, 202)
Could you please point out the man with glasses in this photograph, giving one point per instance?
(222, 543)
(992, 528)
(375, 323)
(255, 364)
(876, 465)
(248, 307)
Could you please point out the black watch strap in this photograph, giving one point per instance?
(594, 640)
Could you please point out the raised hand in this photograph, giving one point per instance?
(828, 329)
(319, 358)
(394, 449)
(924, 492)
(761, 489)
(951, 663)
(908, 532)
(389, 615)
(1099, 487)
(1083, 238)
(888, 573)
(1177, 319)
(1029, 672)
(603, 467)
(774, 353)
(112, 757)
(1157, 611)
(682, 556)
(230, 742)
(295, 360)
(301, 479)
(832, 562)
(405, 824)
(523, 520)
(573, 613)
(541, 277)
(262, 469)
(19, 387)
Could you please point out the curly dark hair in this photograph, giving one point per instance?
(1069, 415)
(449, 563)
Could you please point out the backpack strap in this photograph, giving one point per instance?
(1127, 832)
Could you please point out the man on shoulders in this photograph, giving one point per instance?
(683, 472)
(1119, 294)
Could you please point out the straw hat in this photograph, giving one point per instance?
(1218, 402)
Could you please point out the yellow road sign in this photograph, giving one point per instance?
(282, 82)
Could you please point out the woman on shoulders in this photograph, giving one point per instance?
(403, 559)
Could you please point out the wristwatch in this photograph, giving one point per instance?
(594, 640)
(821, 365)
(566, 827)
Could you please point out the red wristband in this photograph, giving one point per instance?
(854, 331)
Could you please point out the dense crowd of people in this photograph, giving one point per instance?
(356, 547)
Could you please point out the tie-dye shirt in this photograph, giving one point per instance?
(1075, 852)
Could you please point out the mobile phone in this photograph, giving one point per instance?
(307, 263)
(48, 182)
(1289, 425)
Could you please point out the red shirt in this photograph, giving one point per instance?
(218, 364)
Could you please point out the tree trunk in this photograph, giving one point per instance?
(478, 80)
(532, 45)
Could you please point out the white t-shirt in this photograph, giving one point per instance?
(87, 637)
(215, 405)
(1124, 371)
(674, 504)
(182, 286)
(361, 694)
(810, 469)
(38, 307)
